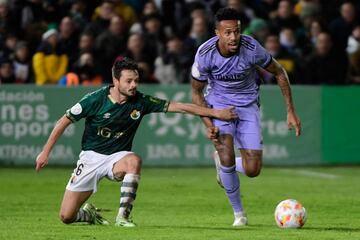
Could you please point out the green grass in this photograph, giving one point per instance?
(186, 204)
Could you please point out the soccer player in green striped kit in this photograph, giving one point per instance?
(113, 114)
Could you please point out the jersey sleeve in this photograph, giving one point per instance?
(153, 104)
(262, 57)
(84, 108)
(199, 69)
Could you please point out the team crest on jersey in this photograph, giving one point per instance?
(135, 114)
(107, 115)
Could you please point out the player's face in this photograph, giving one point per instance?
(128, 82)
(228, 32)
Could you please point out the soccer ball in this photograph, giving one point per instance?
(290, 214)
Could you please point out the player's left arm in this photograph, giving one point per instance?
(226, 114)
(282, 79)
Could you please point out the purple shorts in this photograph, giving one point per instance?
(246, 130)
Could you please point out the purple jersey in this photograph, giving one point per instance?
(232, 80)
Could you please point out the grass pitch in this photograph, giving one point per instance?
(186, 204)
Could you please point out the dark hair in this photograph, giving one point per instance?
(123, 63)
(226, 14)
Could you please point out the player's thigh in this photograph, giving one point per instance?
(71, 204)
(252, 161)
(130, 163)
(225, 148)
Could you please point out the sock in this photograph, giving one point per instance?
(128, 194)
(83, 216)
(239, 165)
(231, 183)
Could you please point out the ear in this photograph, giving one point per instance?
(217, 32)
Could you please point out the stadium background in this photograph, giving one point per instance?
(318, 42)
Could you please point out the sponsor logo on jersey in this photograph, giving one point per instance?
(76, 109)
(107, 115)
(135, 114)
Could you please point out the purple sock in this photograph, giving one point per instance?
(231, 183)
(239, 165)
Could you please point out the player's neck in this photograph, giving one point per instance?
(223, 52)
(117, 96)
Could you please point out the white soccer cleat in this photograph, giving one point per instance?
(240, 219)
(96, 218)
(124, 222)
(217, 166)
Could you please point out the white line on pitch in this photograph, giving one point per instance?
(312, 174)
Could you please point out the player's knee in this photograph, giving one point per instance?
(66, 218)
(134, 163)
(254, 172)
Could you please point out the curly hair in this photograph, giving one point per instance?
(123, 63)
(226, 14)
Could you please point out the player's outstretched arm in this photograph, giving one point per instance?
(198, 99)
(226, 114)
(43, 157)
(282, 78)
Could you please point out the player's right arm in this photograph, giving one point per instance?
(199, 99)
(59, 128)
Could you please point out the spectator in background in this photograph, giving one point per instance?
(173, 66)
(258, 29)
(287, 59)
(288, 41)
(68, 39)
(246, 13)
(85, 73)
(154, 37)
(324, 66)
(137, 50)
(354, 69)
(22, 63)
(77, 14)
(87, 43)
(8, 47)
(264, 8)
(285, 17)
(101, 19)
(49, 62)
(353, 51)
(315, 28)
(6, 71)
(8, 21)
(353, 43)
(110, 44)
(341, 27)
(198, 35)
(125, 11)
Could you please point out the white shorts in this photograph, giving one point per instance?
(90, 168)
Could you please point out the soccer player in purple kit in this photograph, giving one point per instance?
(228, 63)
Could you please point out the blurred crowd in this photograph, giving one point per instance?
(72, 42)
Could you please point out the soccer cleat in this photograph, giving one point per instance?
(96, 218)
(217, 166)
(123, 222)
(240, 219)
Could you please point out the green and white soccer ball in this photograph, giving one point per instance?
(290, 213)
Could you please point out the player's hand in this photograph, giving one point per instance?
(226, 114)
(212, 133)
(293, 121)
(41, 161)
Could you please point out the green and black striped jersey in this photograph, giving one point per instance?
(109, 126)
